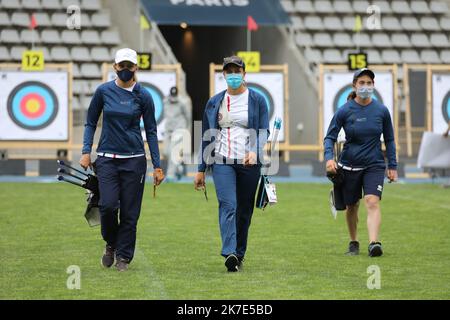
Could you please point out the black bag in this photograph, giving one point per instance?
(92, 213)
(88, 182)
(337, 192)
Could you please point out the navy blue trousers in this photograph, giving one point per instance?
(236, 189)
(121, 183)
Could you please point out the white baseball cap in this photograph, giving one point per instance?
(126, 54)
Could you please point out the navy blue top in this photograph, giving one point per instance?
(258, 119)
(363, 126)
(122, 111)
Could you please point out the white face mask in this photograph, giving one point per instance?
(364, 92)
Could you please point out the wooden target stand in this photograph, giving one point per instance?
(42, 149)
(344, 68)
(284, 146)
(428, 110)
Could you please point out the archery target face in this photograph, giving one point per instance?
(32, 109)
(337, 87)
(158, 84)
(441, 102)
(270, 85)
(158, 101)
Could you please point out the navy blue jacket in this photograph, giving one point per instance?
(363, 126)
(122, 111)
(258, 118)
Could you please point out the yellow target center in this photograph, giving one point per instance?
(32, 106)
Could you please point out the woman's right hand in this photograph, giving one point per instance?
(199, 181)
(85, 161)
(331, 166)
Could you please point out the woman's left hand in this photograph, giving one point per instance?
(158, 176)
(250, 159)
(392, 175)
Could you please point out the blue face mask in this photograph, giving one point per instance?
(364, 92)
(125, 75)
(234, 80)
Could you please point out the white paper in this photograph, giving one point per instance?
(271, 193)
(332, 207)
(434, 151)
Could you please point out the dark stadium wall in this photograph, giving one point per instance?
(195, 48)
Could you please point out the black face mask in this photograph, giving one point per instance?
(125, 75)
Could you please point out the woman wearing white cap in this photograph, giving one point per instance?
(121, 164)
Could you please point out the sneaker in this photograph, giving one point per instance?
(375, 249)
(108, 257)
(232, 263)
(241, 263)
(353, 248)
(122, 264)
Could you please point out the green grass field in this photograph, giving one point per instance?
(296, 249)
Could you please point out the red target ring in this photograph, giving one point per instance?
(32, 105)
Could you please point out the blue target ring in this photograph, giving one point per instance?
(158, 101)
(267, 96)
(32, 105)
(446, 107)
(341, 97)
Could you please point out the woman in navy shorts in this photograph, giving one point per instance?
(362, 161)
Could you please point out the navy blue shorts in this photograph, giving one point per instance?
(369, 180)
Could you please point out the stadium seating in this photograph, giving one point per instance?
(411, 31)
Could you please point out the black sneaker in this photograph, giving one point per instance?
(108, 257)
(232, 263)
(122, 264)
(375, 249)
(353, 248)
